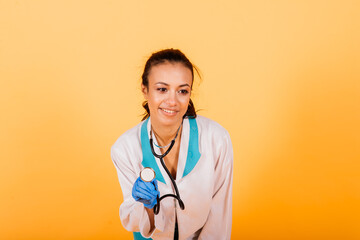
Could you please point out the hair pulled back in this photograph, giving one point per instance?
(173, 56)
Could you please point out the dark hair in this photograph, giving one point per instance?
(173, 56)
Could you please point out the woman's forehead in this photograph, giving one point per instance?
(170, 73)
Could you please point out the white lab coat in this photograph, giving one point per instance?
(204, 180)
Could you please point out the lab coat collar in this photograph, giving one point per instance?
(193, 153)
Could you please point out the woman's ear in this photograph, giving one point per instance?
(144, 90)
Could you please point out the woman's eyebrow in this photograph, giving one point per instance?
(162, 83)
(166, 84)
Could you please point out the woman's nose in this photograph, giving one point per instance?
(171, 98)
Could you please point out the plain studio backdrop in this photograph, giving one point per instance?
(283, 77)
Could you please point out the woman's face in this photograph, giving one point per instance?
(168, 93)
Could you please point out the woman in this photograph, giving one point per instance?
(199, 159)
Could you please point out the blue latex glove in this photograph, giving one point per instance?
(145, 192)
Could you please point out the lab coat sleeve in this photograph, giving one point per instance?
(133, 215)
(219, 221)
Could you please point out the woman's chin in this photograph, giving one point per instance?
(169, 121)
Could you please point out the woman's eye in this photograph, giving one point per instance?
(162, 89)
(183, 91)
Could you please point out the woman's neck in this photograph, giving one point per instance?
(164, 135)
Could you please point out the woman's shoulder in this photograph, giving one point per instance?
(129, 137)
(210, 126)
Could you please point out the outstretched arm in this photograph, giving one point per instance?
(134, 216)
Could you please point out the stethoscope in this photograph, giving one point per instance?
(148, 174)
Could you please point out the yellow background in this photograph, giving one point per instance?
(281, 76)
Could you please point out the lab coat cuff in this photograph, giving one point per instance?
(159, 221)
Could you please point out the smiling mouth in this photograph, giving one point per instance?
(168, 111)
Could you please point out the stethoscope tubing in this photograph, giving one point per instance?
(177, 196)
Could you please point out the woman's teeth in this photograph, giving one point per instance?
(168, 111)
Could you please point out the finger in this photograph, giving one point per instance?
(147, 185)
(144, 196)
(151, 204)
(137, 190)
(135, 197)
(157, 193)
(145, 190)
(144, 201)
(141, 184)
(154, 201)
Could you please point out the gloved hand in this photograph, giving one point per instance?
(146, 192)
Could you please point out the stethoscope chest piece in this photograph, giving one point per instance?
(147, 174)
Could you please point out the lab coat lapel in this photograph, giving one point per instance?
(193, 153)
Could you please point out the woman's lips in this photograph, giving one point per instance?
(168, 111)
